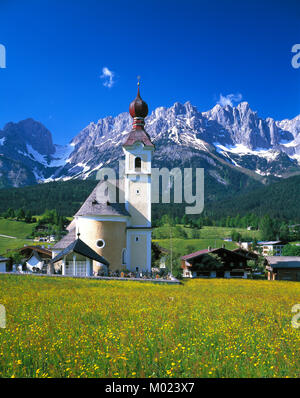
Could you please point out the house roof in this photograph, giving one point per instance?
(36, 255)
(196, 254)
(245, 252)
(79, 247)
(272, 242)
(206, 251)
(283, 261)
(95, 204)
(37, 249)
(2, 259)
(66, 240)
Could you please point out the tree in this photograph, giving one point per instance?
(267, 228)
(257, 265)
(235, 236)
(284, 232)
(10, 213)
(185, 220)
(28, 216)
(209, 262)
(16, 258)
(291, 250)
(20, 214)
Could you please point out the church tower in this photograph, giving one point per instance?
(138, 150)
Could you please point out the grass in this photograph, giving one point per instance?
(7, 244)
(209, 236)
(185, 246)
(63, 327)
(225, 232)
(18, 229)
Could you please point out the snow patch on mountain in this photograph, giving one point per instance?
(35, 155)
(61, 155)
(241, 149)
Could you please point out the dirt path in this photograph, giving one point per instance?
(6, 236)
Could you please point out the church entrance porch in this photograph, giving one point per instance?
(79, 268)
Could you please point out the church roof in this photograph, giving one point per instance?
(79, 247)
(93, 206)
(138, 135)
(66, 240)
(138, 110)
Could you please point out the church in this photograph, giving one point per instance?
(107, 235)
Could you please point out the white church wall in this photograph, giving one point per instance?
(139, 250)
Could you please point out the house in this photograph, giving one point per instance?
(246, 245)
(285, 268)
(77, 260)
(119, 232)
(37, 257)
(27, 251)
(35, 263)
(272, 247)
(201, 264)
(294, 228)
(3, 264)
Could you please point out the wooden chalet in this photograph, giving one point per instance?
(215, 263)
(284, 268)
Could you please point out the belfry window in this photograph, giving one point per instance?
(137, 164)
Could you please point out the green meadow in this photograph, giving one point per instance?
(64, 327)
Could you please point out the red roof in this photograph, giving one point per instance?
(198, 253)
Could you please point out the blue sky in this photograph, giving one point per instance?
(184, 50)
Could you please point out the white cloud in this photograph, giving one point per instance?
(229, 99)
(108, 77)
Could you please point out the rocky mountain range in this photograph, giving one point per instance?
(237, 148)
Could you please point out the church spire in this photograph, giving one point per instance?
(138, 110)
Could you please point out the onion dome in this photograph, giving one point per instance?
(138, 107)
(138, 110)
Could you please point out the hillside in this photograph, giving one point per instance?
(64, 196)
(280, 200)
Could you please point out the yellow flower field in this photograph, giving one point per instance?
(63, 327)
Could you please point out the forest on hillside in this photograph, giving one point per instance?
(65, 197)
(279, 200)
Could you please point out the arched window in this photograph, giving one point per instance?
(137, 164)
(124, 257)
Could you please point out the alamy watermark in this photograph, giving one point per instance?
(296, 57)
(2, 317)
(2, 56)
(186, 186)
(296, 318)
